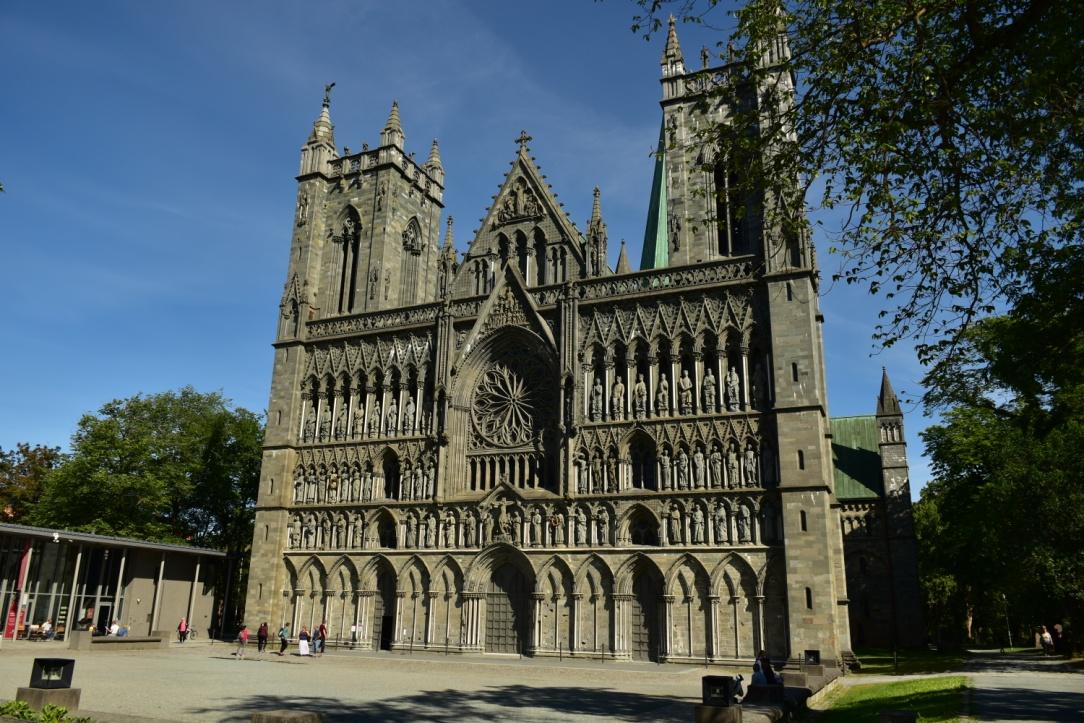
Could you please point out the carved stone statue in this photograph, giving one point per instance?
(469, 529)
(408, 415)
(733, 397)
(698, 526)
(603, 518)
(639, 397)
(517, 528)
(617, 400)
(698, 468)
(720, 525)
(299, 487)
(309, 434)
(675, 525)
(325, 532)
(374, 420)
(536, 528)
(367, 491)
(581, 527)
(419, 483)
(340, 532)
(664, 469)
(310, 488)
(487, 527)
(295, 532)
(682, 470)
(752, 478)
(709, 391)
(325, 428)
(309, 533)
(356, 424)
(430, 530)
(581, 475)
(333, 488)
(662, 396)
(393, 417)
(596, 400)
(715, 461)
(611, 474)
(449, 529)
(557, 529)
(596, 474)
(685, 391)
(359, 532)
(411, 532)
(732, 478)
(340, 422)
(430, 480)
(743, 519)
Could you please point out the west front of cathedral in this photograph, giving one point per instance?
(524, 451)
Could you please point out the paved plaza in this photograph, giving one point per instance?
(205, 682)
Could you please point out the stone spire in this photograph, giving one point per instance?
(392, 135)
(449, 242)
(656, 251)
(673, 62)
(623, 261)
(320, 146)
(596, 239)
(596, 226)
(433, 165)
(888, 404)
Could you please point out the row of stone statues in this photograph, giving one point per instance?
(318, 426)
(602, 474)
(415, 482)
(702, 522)
(709, 395)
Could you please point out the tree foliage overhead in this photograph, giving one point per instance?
(22, 471)
(946, 132)
(172, 467)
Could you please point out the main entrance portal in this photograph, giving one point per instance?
(643, 619)
(506, 611)
(383, 612)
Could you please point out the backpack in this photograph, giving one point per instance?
(282, 633)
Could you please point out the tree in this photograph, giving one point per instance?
(1004, 516)
(21, 473)
(946, 133)
(171, 467)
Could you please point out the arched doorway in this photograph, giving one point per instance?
(506, 611)
(644, 616)
(383, 611)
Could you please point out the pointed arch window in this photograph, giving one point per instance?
(412, 249)
(348, 240)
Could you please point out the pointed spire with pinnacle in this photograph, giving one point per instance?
(673, 62)
(656, 250)
(623, 261)
(596, 225)
(322, 129)
(434, 165)
(449, 242)
(888, 404)
(320, 146)
(392, 135)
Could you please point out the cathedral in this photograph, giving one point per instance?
(524, 451)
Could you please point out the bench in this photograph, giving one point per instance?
(83, 640)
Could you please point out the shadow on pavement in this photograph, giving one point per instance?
(508, 702)
(1017, 663)
(1011, 704)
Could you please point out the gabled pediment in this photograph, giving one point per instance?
(523, 208)
(509, 304)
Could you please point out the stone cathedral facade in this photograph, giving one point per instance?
(524, 451)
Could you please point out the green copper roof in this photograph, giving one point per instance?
(856, 456)
(656, 244)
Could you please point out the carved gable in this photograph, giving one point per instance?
(508, 304)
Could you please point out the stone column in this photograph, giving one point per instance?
(630, 382)
(535, 643)
(620, 632)
(574, 621)
(668, 626)
(744, 387)
(698, 372)
(675, 377)
(607, 389)
(472, 603)
(299, 604)
(588, 384)
(734, 602)
(761, 642)
(370, 392)
(430, 596)
(652, 382)
(397, 632)
(355, 634)
(363, 616)
(720, 380)
(419, 391)
(713, 626)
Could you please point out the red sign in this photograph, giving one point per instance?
(14, 621)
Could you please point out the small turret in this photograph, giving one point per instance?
(673, 62)
(392, 135)
(596, 238)
(433, 165)
(320, 146)
(888, 404)
(623, 261)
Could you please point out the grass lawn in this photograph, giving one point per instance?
(934, 699)
(879, 662)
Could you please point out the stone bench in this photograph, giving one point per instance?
(764, 695)
(83, 640)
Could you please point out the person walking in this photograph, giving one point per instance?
(242, 641)
(321, 638)
(261, 638)
(284, 639)
(182, 629)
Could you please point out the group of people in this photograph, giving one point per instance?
(308, 643)
(763, 672)
(1053, 643)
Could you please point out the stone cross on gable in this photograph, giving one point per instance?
(523, 140)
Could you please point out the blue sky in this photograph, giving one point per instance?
(148, 152)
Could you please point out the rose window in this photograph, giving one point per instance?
(504, 408)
